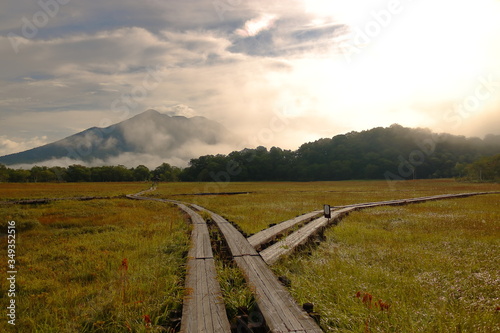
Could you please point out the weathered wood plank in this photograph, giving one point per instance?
(203, 308)
(301, 236)
(280, 311)
(238, 244)
(416, 200)
(267, 235)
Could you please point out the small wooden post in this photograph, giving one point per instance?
(327, 212)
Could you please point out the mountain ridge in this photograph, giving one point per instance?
(148, 133)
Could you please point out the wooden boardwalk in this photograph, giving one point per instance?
(203, 308)
(280, 311)
(260, 239)
(287, 245)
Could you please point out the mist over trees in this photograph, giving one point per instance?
(395, 152)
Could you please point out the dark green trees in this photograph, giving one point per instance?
(395, 152)
(486, 169)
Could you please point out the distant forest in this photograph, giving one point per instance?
(393, 153)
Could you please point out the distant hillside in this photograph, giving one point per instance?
(148, 135)
(395, 152)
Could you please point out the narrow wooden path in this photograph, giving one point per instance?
(280, 311)
(260, 239)
(287, 245)
(203, 308)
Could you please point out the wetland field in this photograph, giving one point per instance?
(118, 265)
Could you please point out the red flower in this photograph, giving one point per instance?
(125, 264)
(383, 306)
(147, 320)
(367, 300)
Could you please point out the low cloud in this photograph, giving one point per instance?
(241, 64)
(9, 146)
(178, 110)
(180, 157)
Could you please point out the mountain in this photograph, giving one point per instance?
(149, 136)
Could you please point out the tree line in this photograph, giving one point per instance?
(486, 169)
(394, 152)
(391, 153)
(80, 173)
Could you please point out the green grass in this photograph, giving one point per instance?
(436, 264)
(275, 202)
(19, 191)
(72, 276)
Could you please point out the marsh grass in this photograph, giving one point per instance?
(274, 202)
(103, 266)
(237, 295)
(434, 265)
(20, 191)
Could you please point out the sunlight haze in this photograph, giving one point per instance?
(274, 73)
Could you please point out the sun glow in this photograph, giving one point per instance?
(398, 54)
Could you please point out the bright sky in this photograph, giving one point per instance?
(276, 72)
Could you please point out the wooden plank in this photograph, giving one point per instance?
(300, 237)
(265, 236)
(280, 311)
(203, 309)
(416, 200)
(237, 243)
(201, 247)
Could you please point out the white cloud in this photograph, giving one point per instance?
(255, 26)
(67, 78)
(177, 110)
(10, 146)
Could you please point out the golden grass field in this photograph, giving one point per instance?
(275, 202)
(433, 266)
(101, 265)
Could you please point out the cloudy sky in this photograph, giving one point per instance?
(275, 72)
